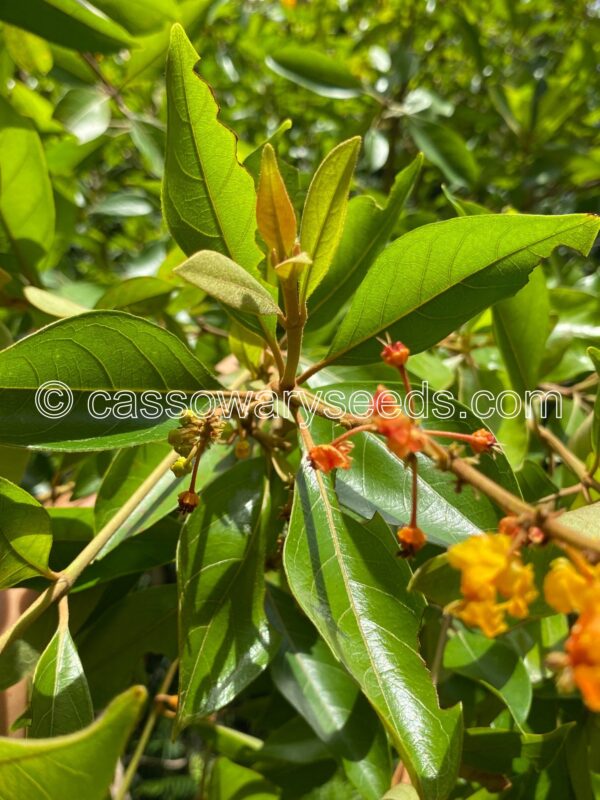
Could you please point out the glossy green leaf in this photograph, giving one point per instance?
(325, 211)
(80, 764)
(436, 277)
(522, 325)
(209, 200)
(112, 647)
(445, 148)
(352, 586)
(366, 232)
(68, 23)
(60, 699)
(496, 665)
(124, 204)
(149, 138)
(314, 70)
(84, 112)
(26, 202)
(225, 640)
(312, 680)
(105, 351)
(25, 536)
(226, 281)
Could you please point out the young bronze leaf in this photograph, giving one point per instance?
(274, 210)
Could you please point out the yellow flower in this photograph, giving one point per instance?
(570, 588)
(491, 568)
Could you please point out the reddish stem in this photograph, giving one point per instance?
(358, 429)
(415, 482)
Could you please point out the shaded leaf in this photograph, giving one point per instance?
(496, 665)
(225, 641)
(312, 680)
(60, 700)
(315, 70)
(25, 536)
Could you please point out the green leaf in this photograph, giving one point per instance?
(325, 211)
(594, 354)
(28, 51)
(586, 520)
(226, 281)
(25, 536)
(225, 641)
(352, 586)
(26, 201)
(68, 23)
(434, 278)
(494, 664)
(209, 200)
(84, 112)
(366, 232)
(134, 292)
(401, 792)
(521, 326)
(313, 681)
(500, 751)
(60, 700)
(106, 351)
(230, 781)
(437, 580)
(446, 149)
(149, 138)
(52, 304)
(140, 16)
(79, 764)
(316, 71)
(113, 645)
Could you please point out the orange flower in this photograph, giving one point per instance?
(396, 354)
(328, 456)
(583, 651)
(482, 441)
(411, 540)
(491, 568)
(403, 435)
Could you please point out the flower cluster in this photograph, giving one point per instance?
(404, 436)
(193, 436)
(494, 582)
(574, 586)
